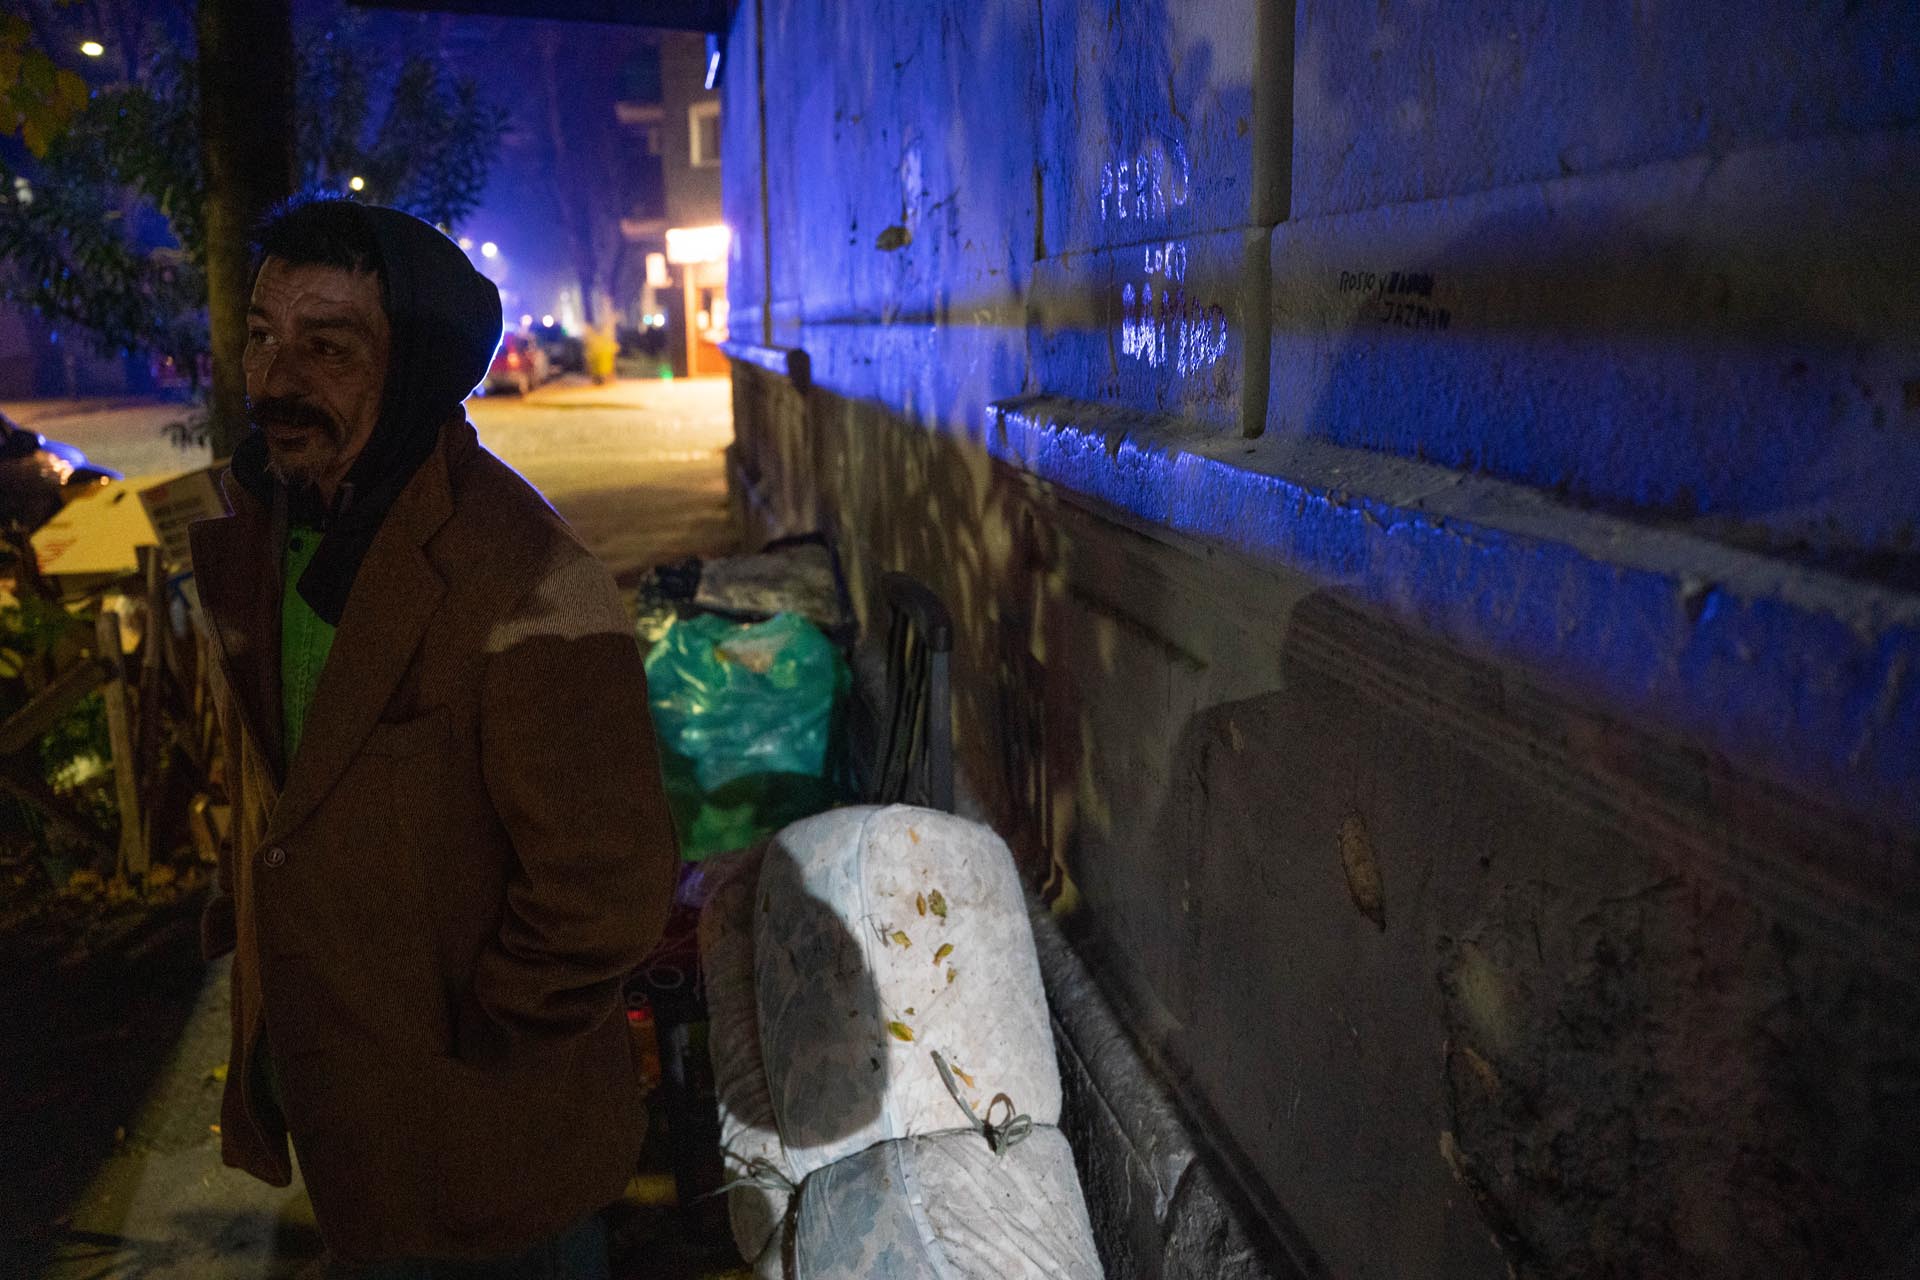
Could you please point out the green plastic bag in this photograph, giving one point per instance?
(748, 716)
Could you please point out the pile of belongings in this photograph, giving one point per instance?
(794, 575)
(746, 715)
(883, 1058)
(798, 575)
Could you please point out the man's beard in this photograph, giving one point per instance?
(319, 450)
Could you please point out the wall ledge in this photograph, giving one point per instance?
(1806, 678)
(791, 363)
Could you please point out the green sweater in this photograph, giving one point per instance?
(305, 640)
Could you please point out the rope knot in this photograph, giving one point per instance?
(1011, 1131)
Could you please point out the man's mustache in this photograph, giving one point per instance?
(291, 411)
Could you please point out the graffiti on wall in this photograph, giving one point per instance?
(1168, 327)
(1162, 324)
(1146, 185)
(1403, 299)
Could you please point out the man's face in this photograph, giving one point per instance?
(316, 364)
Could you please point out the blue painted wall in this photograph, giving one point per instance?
(1572, 342)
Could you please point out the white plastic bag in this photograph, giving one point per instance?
(881, 934)
(947, 1208)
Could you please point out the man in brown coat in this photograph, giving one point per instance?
(450, 839)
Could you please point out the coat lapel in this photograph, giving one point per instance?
(394, 597)
(236, 571)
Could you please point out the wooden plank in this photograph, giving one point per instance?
(46, 709)
(200, 827)
(132, 855)
(150, 753)
(25, 784)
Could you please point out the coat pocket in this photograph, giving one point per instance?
(526, 1148)
(494, 1136)
(358, 1122)
(402, 738)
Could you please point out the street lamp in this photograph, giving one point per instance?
(356, 183)
(466, 242)
(489, 250)
(546, 321)
(92, 48)
(526, 322)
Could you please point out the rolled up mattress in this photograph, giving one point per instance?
(749, 1139)
(947, 1208)
(880, 935)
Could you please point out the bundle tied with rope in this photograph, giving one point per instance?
(840, 1120)
(764, 1174)
(1015, 1128)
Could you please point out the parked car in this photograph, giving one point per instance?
(519, 365)
(567, 353)
(38, 476)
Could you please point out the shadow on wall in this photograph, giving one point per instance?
(1666, 1050)
(1657, 1060)
(1670, 997)
(924, 503)
(1704, 343)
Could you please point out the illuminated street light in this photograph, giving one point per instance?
(93, 48)
(357, 183)
(489, 250)
(546, 321)
(466, 242)
(697, 244)
(526, 322)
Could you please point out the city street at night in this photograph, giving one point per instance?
(633, 465)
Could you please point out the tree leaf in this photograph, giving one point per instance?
(71, 91)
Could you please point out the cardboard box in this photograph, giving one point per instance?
(93, 541)
(174, 503)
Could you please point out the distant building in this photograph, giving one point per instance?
(671, 194)
(42, 359)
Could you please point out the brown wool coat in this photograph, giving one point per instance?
(433, 905)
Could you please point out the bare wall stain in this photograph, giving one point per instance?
(1363, 871)
(1668, 1083)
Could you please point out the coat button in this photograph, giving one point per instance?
(275, 856)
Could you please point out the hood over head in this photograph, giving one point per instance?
(445, 323)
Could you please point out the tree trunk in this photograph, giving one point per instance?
(570, 185)
(246, 147)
